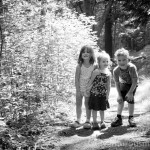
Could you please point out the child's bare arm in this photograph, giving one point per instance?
(119, 99)
(108, 86)
(133, 86)
(77, 77)
(134, 77)
(129, 95)
(94, 74)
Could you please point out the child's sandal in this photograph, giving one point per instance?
(76, 124)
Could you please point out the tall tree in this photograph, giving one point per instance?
(89, 7)
(102, 19)
(108, 35)
(1, 28)
(106, 19)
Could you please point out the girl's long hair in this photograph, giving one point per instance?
(92, 58)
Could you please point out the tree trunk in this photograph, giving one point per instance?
(1, 29)
(43, 13)
(89, 7)
(108, 36)
(1, 33)
(101, 20)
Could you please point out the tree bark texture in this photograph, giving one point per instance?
(1, 29)
(89, 7)
(101, 20)
(108, 36)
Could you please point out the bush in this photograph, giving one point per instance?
(41, 51)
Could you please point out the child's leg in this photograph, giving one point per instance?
(88, 111)
(118, 120)
(120, 108)
(102, 124)
(131, 113)
(131, 109)
(102, 115)
(94, 114)
(79, 98)
(87, 124)
(95, 124)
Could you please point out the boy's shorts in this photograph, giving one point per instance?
(124, 88)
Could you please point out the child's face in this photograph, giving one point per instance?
(86, 54)
(104, 63)
(122, 61)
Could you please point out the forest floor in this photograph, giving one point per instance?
(44, 132)
(120, 138)
(57, 135)
(110, 138)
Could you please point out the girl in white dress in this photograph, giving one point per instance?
(83, 73)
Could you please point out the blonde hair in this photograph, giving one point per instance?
(102, 55)
(122, 52)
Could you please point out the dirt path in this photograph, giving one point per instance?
(58, 136)
(116, 138)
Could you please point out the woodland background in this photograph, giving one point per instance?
(39, 45)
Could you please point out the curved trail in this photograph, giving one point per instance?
(120, 138)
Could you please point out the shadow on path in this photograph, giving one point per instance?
(72, 131)
(112, 131)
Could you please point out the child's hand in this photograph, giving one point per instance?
(88, 88)
(129, 96)
(107, 97)
(119, 99)
(107, 104)
(87, 93)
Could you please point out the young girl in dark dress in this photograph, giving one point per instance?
(99, 88)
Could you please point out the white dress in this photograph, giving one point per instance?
(85, 76)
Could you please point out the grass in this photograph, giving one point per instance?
(142, 97)
(143, 94)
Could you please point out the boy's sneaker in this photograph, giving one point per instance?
(76, 124)
(87, 125)
(116, 122)
(102, 125)
(95, 126)
(132, 122)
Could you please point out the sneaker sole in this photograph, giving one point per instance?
(96, 128)
(72, 126)
(103, 127)
(75, 127)
(132, 125)
(86, 127)
(116, 125)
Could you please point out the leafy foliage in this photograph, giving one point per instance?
(139, 10)
(41, 44)
(41, 51)
(130, 31)
(39, 58)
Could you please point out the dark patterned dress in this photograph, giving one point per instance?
(97, 100)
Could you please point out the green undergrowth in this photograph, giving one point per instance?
(39, 131)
